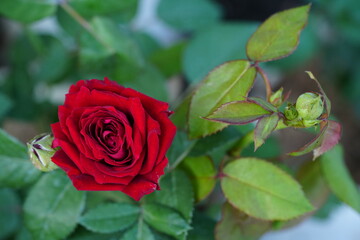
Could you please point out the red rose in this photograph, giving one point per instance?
(112, 138)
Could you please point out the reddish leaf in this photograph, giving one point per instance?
(326, 140)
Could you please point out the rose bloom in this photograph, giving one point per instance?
(112, 138)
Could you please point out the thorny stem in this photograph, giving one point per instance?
(82, 21)
(266, 81)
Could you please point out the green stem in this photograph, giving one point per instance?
(82, 21)
(266, 81)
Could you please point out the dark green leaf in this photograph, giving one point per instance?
(188, 15)
(215, 45)
(5, 106)
(11, 147)
(168, 60)
(339, 178)
(202, 174)
(278, 36)
(119, 10)
(203, 228)
(238, 113)
(9, 212)
(313, 183)
(176, 192)
(180, 148)
(108, 218)
(236, 225)
(233, 80)
(52, 208)
(139, 231)
(83, 234)
(262, 190)
(165, 219)
(17, 172)
(27, 10)
(264, 128)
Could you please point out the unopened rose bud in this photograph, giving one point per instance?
(309, 106)
(290, 112)
(40, 152)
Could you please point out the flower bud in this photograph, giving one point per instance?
(40, 152)
(290, 112)
(309, 106)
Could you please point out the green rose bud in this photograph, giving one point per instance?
(290, 112)
(309, 106)
(40, 152)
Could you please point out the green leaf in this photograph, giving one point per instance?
(233, 80)
(264, 128)
(179, 149)
(52, 208)
(6, 104)
(213, 46)
(188, 15)
(9, 212)
(11, 147)
(168, 60)
(329, 136)
(313, 183)
(109, 218)
(339, 178)
(265, 104)
(83, 234)
(203, 228)
(262, 190)
(56, 57)
(17, 172)
(278, 36)
(19, 10)
(179, 118)
(121, 10)
(202, 174)
(165, 219)
(238, 113)
(140, 231)
(235, 225)
(176, 192)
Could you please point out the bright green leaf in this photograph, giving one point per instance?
(9, 212)
(108, 218)
(339, 178)
(165, 219)
(188, 15)
(233, 80)
(238, 112)
(264, 128)
(52, 208)
(236, 225)
(176, 192)
(139, 231)
(17, 172)
(262, 190)
(11, 147)
(213, 46)
(202, 174)
(278, 36)
(27, 11)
